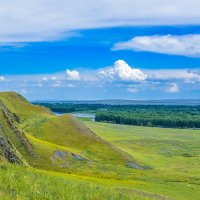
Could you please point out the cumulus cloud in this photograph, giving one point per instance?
(157, 82)
(42, 20)
(2, 78)
(185, 45)
(72, 75)
(173, 88)
(122, 71)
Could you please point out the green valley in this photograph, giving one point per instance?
(44, 156)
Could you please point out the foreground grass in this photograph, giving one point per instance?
(173, 154)
(26, 183)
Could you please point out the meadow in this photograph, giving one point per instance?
(63, 157)
(172, 154)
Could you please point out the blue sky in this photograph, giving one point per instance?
(106, 50)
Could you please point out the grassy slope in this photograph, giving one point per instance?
(65, 132)
(27, 183)
(172, 153)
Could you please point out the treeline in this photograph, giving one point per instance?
(159, 116)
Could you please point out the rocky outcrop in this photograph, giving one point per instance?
(10, 135)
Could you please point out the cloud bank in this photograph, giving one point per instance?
(118, 81)
(185, 45)
(48, 20)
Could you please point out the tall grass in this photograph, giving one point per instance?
(26, 183)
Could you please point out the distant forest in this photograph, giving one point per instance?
(179, 116)
(162, 116)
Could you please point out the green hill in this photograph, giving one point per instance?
(39, 138)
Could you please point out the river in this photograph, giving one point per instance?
(81, 115)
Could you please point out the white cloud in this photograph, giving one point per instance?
(185, 45)
(177, 74)
(173, 88)
(122, 71)
(72, 75)
(158, 84)
(43, 20)
(2, 78)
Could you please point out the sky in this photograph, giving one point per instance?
(108, 49)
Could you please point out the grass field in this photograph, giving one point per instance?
(173, 155)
